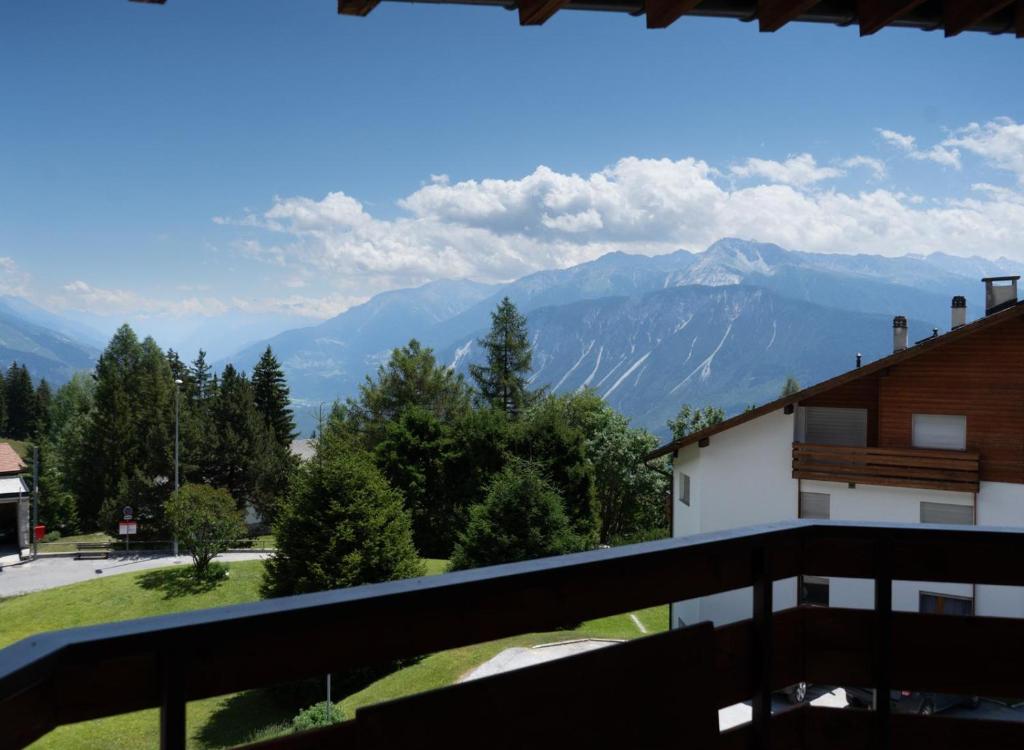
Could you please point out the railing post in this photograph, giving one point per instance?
(762, 704)
(172, 701)
(883, 641)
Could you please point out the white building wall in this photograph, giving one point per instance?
(743, 477)
(886, 504)
(1000, 504)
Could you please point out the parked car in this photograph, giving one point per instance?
(908, 702)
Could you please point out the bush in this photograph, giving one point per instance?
(342, 525)
(521, 518)
(320, 714)
(205, 520)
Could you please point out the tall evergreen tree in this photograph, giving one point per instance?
(201, 377)
(790, 387)
(270, 391)
(44, 398)
(502, 382)
(343, 525)
(3, 404)
(411, 378)
(242, 455)
(21, 402)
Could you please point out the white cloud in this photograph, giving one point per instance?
(80, 295)
(497, 229)
(16, 282)
(1000, 142)
(800, 170)
(875, 166)
(940, 153)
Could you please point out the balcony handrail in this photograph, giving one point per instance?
(67, 676)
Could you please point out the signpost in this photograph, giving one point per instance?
(127, 527)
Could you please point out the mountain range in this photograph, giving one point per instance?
(724, 326)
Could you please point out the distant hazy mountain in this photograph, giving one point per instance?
(329, 360)
(49, 353)
(817, 309)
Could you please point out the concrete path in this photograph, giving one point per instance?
(518, 657)
(48, 573)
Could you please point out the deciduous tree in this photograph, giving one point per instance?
(205, 520)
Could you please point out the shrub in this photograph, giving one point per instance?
(205, 520)
(320, 714)
(520, 519)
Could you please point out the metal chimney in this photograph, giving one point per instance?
(899, 334)
(1000, 293)
(958, 312)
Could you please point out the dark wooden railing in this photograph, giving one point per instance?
(890, 467)
(655, 684)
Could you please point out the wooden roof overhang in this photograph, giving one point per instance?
(922, 347)
(951, 16)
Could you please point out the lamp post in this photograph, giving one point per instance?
(177, 410)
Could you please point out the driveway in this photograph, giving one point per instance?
(50, 572)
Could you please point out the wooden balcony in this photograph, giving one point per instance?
(661, 691)
(891, 467)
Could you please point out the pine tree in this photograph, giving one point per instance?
(44, 398)
(270, 391)
(342, 526)
(200, 372)
(503, 380)
(242, 455)
(790, 387)
(3, 404)
(21, 402)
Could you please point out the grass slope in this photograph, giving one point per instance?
(229, 720)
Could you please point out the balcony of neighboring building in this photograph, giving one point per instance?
(921, 468)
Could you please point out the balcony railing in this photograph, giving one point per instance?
(890, 467)
(658, 691)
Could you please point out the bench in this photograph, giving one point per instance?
(93, 550)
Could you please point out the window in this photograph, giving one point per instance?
(813, 591)
(684, 489)
(826, 425)
(814, 505)
(944, 604)
(947, 513)
(942, 431)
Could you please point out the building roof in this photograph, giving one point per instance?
(10, 461)
(922, 347)
(951, 16)
(12, 487)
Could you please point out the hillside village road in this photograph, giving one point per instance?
(48, 573)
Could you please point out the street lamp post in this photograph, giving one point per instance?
(177, 410)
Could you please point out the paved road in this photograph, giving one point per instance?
(47, 573)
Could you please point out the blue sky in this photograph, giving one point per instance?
(266, 158)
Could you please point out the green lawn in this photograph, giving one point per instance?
(68, 543)
(229, 720)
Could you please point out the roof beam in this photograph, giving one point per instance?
(772, 15)
(536, 12)
(958, 15)
(356, 7)
(875, 14)
(1019, 21)
(663, 13)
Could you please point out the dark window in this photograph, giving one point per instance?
(944, 604)
(815, 505)
(813, 591)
